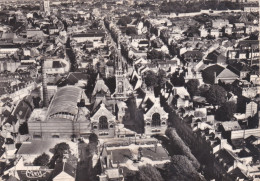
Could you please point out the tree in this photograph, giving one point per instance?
(177, 79)
(41, 160)
(151, 79)
(180, 148)
(161, 77)
(61, 149)
(148, 173)
(23, 129)
(123, 21)
(93, 138)
(154, 54)
(71, 56)
(192, 86)
(180, 168)
(216, 95)
(226, 111)
(131, 31)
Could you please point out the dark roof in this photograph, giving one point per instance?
(251, 139)
(90, 34)
(238, 143)
(226, 156)
(248, 42)
(56, 64)
(237, 173)
(10, 46)
(11, 119)
(159, 154)
(215, 56)
(23, 110)
(74, 77)
(9, 141)
(208, 73)
(120, 155)
(194, 54)
(239, 67)
(147, 105)
(2, 151)
(133, 81)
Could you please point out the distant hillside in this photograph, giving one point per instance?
(187, 7)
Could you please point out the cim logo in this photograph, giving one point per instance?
(36, 174)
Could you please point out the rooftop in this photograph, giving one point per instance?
(65, 100)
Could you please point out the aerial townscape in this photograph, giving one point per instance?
(129, 90)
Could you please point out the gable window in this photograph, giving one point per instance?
(156, 120)
(103, 124)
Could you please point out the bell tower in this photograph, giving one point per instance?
(120, 80)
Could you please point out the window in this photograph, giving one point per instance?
(111, 126)
(156, 121)
(148, 124)
(103, 124)
(55, 136)
(120, 87)
(37, 136)
(94, 127)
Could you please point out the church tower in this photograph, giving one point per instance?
(46, 6)
(120, 79)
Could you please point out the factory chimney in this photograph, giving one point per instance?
(44, 86)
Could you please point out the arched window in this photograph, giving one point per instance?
(156, 121)
(103, 124)
(55, 136)
(120, 87)
(111, 126)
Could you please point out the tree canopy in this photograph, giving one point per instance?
(192, 86)
(61, 148)
(148, 173)
(226, 111)
(180, 168)
(161, 77)
(216, 95)
(177, 79)
(23, 129)
(151, 79)
(154, 54)
(131, 31)
(180, 148)
(93, 138)
(41, 160)
(124, 20)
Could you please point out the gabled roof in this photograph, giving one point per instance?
(226, 73)
(227, 157)
(11, 119)
(64, 167)
(100, 85)
(74, 77)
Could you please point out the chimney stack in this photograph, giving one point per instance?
(44, 87)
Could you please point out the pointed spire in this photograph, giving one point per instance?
(98, 76)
